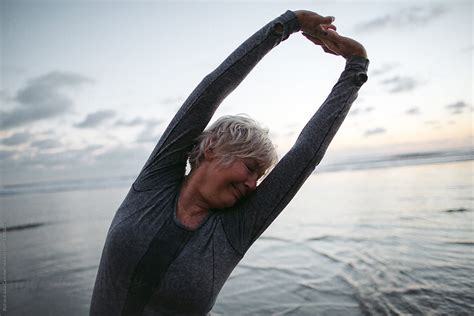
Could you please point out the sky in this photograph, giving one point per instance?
(87, 87)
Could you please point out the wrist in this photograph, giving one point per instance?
(359, 51)
(300, 16)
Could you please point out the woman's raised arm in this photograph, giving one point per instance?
(168, 160)
(252, 217)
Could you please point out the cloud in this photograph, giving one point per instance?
(46, 144)
(385, 68)
(17, 139)
(42, 98)
(148, 134)
(83, 158)
(405, 18)
(375, 131)
(171, 100)
(358, 111)
(5, 96)
(5, 154)
(375, 23)
(399, 84)
(21, 166)
(354, 112)
(138, 121)
(25, 137)
(132, 122)
(457, 108)
(12, 70)
(121, 155)
(57, 160)
(413, 111)
(97, 118)
(467, 49)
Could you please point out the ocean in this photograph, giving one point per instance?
(385, 236)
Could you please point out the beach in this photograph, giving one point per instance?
(375, 240)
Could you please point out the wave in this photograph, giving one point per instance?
(24, 226)
(462, 243)
(397, 160)
(66, 185)
(458, 210)
(16, 281)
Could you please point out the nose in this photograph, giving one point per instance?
(251, 182)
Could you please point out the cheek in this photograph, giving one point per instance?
(226, 197)
(222, 187)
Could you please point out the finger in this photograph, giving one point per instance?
(333, 36)
(313, 39)
(316, 41)
(322, 40)
(333, 46)
(328, 26)
(320, 43)
(318, 32)
(314, 32)
(327, 50)
(327, 20)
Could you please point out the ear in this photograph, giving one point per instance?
(209, 153)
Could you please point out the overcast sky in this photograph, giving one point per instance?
(87, 87)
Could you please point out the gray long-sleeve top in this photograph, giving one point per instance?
(153, 265)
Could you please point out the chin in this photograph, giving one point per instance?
(229, 203)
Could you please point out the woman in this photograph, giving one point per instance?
(175, 239)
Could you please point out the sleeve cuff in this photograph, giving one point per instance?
(360, 65)
(359, 62)
(285, 25)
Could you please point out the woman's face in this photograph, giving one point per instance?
(226, 185)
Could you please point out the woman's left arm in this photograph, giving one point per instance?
(250, 218)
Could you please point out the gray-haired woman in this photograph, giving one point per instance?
(175, 239)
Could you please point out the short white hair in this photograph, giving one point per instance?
(232, 137)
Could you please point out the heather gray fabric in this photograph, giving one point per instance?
(153, 265)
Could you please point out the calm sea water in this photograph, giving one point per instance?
(396, 240)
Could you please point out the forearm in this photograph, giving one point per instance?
(239, 64)
(218, 84)
(322, 127)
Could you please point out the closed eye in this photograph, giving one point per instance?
(249, 164)
(249, 169)
(253, 169)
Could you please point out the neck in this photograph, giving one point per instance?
(191, 204)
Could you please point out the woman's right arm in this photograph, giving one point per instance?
(168, 160)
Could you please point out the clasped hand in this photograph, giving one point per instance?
(322, 32)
